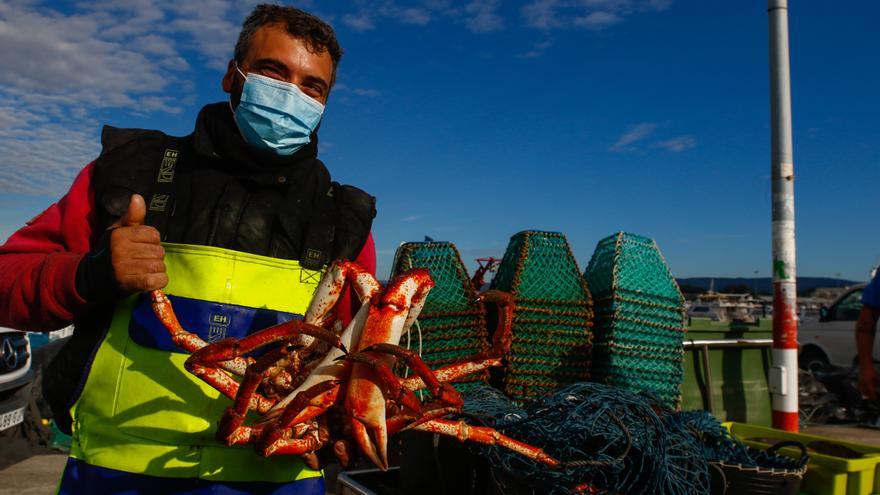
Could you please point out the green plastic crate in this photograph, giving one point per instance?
(826, 475)
(740, 390)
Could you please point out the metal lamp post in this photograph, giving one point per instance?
(783, 373)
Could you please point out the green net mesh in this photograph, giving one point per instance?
(640, 318)
(551, 329)
(452, 325)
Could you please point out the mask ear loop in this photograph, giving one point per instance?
(239, 71)
(230, 96)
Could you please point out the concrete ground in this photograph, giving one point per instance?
(855, 434)
(36, 475)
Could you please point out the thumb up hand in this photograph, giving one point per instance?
(136, 251)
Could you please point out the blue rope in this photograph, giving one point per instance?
(616, 441)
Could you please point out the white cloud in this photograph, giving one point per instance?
(636, 133)
(413, 15)
(479, 16)
(542, 14)
(62, 66)
(346, 89)
(586, 14)
(365, 92)
(66, 65)
(367, 15)
(359, 22)
(537, 49)
(411, 218)
(678, 144)
(40, 156)
(482, 16)
(597, 20)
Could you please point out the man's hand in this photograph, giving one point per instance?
(136, 251)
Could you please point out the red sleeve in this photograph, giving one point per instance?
(38, 262)
(349, 303)
(367, 258)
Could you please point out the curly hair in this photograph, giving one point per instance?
(317, 34)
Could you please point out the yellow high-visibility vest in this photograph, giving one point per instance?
(141, 412)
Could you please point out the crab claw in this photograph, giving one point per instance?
(365, 404)
(372, 441)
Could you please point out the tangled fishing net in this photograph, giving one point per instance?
(610, 439)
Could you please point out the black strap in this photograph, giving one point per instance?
(162, 200)
(317, 243)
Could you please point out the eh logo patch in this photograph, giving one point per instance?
(218, 324)
(166, 168)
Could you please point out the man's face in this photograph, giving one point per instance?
(276, 54)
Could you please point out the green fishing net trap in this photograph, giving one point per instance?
(452, 324)
(551, 327)
(640, 318)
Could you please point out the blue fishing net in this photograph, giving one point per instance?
(614, 440)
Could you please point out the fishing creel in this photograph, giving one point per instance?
(640, 318)
(452, 324)
(551, 327)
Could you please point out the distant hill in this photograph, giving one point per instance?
(761, 285)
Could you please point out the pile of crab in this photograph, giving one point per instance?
(322, 388)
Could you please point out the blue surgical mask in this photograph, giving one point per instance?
(276, 115)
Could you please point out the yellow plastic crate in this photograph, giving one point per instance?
(826, 475)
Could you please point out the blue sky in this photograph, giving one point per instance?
(473, 120)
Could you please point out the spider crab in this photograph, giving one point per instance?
(311, 391)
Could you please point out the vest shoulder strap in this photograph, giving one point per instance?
(137, 161)
(355, 211)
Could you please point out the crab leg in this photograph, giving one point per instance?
(303, 439)
(451, 372)
(502, 337)
(188, 341)
(294, 408)
(326, 295)
(330, 368)
(392, 386)
(231, 348)
(279, 438)
(246, 397)
(207, 361)
(444, 392)
(330, 288)
(501, 340)
(364, 401)
(231, 430)
(485, 435)
(405, 421)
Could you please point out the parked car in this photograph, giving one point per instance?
(830, 339)
(15, 374)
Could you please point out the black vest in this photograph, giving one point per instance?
(208, 189)
(290, 212)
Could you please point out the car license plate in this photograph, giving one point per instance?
(12, 418)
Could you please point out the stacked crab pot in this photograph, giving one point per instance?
(452, 325)
(553, 316)
(640, 318)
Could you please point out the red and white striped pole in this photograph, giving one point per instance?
(784, 372)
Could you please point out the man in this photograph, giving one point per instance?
(865, 332)
(234, 221)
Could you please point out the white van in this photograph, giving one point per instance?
(831, 339)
